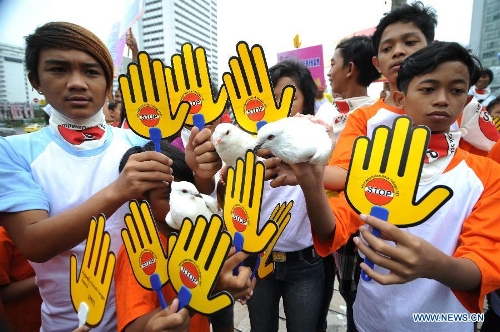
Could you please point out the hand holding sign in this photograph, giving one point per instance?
(196, 260)
(143, 246)
(92, 285)
(385, 171)
(281, 216)
(250, 90)
(145, 98)
(242, 204)
(189, 81)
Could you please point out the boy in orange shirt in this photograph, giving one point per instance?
(139, 309)
(447, 264)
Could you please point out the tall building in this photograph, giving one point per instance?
(167, 25)
(14, 84)
(485, 36)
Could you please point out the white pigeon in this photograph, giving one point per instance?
(231, 142)
(187, 202)
(296, 140)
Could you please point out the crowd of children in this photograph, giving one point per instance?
(55, 180)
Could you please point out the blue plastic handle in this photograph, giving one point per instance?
(156, 285)
(199, 121)
(155, 136)
(260, 124)
(381, 213)
(184, 297)
(238, 245)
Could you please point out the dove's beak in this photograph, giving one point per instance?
(257, 148)
(198, 195)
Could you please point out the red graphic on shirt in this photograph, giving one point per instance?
(240, 218)
(342, 106)
(438, 148)
(190, 276)
(148, 262)
(255, 109)
(149, 115)
(487, 127)
(379, 191)
(77, 137)
(194, 101)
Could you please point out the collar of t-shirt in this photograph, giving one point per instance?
(80, 134)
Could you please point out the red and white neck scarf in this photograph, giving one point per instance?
(440, 151)
(80, 134)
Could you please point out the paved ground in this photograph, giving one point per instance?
(336, 317)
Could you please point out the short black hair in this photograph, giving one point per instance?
(180, 169)
(492, 104)
(360, 51)
(301, 75)
(425, 18)
(428, 58)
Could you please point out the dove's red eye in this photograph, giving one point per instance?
(227, 132)
(184, 191)
(270, 137)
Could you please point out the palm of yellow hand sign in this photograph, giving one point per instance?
(195, 262)
(250, 90)
(385, 171)
(188, 80)
(242, 204)
(93, 283)
(146, 101)
(143, 245)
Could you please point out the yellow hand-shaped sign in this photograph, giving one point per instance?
(143, 245)
(189, 81)
(386, 172)
(242, 204)
(93, 283)
(281, 215)
(250, 90)
(196, 260)
(145, 98)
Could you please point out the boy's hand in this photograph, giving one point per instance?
(144, 171)
(411, 257)
(238, 286)
(201, 156)
(169, 319)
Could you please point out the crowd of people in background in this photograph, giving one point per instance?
(55, 180)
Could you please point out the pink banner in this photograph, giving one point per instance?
(312, 57)
(116, 47)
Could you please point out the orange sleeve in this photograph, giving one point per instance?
(133, 301)
(347, 222)
(480, 237)
(495, 152)
(6, 248)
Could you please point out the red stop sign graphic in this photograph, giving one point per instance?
(379, 191)
(240, 218)
(149, 116)
(190, 275)
(194, 101)
(148, 262)
(255, 109)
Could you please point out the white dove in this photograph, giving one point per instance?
(231, 142)
(296, 140)
(187, 202)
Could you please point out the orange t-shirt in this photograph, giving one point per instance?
(471, 214)
(133, 301)
(22, 315)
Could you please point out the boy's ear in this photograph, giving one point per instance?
(351, 68)
(399, 99)
(33, 82)
(376, 64)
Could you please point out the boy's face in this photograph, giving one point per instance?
(399, 41)
(298, 99)
(337, 74)
(72, 81)
(436, 99)
(495, 111)
(159, 202)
